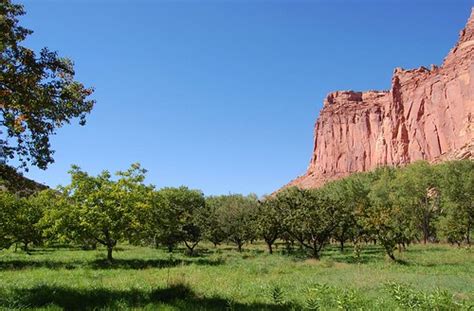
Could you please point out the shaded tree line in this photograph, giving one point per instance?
(393, 207)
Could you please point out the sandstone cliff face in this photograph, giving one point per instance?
(428, 114)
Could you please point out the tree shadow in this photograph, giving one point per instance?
(363, 259)
(28, 264)
(180, 296)
(368, 255)
(137, 264)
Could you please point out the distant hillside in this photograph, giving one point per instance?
(13, 181)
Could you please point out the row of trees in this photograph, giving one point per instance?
(389, 206)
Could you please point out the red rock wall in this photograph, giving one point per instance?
(428, 114)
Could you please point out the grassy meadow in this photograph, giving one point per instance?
(224, 279)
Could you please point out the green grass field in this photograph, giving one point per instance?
(223, 279)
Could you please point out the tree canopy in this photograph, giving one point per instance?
(38, 94)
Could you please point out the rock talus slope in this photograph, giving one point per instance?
(428, 114)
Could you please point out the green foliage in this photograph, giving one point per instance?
(277, 295)
(309, 216)
(268, 222)
(100, 208)
(392, 207)
(20, 219)
(344, 201)
(38, 93)
(237, 217)
(9, 203)
(176, 216)
(415, 187)
(26, 228)
(326, 297)
(317, 296)
(407, 297)
(385, 219)
(60, 223)
(212, 219)
(457, 193)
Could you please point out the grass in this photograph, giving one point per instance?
(223, 279)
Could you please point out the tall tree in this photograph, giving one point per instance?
(457, 200)
(20, 219)
(416, 188)
(344, 201)
(238, 218)
(103, 209)
(385, 218)
(38, 93)
(309, 216)
(175, 217)
(269, 222)
(211, 220)
(8, 206)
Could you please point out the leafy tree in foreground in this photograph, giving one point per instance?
(102, 209)
(38, 93)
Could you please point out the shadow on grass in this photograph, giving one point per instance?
(151, 263)
(369, 254)
(104, 264)
(180, 296)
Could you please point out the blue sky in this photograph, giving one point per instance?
(223, 95)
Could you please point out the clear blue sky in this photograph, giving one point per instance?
(223, 95)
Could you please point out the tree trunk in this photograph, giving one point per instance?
(341, 245)
(391, 256)
(315, 250)
(270, 248)
(425, 234)
(110, 243)
(190, 247)
(288, 246)
(390, 253)
(239, 246)
(468, 236)
(155, 241)
(109, 252)
(25, 246)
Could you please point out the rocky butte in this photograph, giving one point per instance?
(428, 114)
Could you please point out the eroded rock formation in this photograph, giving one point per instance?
(428, 114)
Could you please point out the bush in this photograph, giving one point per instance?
(407, 297)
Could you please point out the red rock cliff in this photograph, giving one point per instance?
(428, 114)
